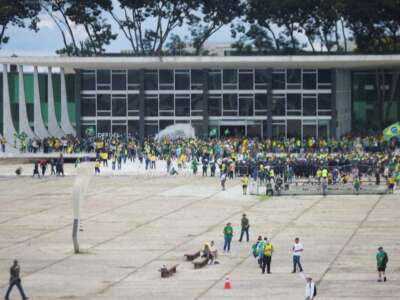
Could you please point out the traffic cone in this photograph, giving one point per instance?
(227, 284)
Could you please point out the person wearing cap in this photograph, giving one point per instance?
(381, 260)
(245, 225)
(15, 280)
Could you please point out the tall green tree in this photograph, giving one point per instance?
(18, 13)
(148, 24)
(211, 16)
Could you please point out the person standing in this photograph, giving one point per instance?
(15, 280)
(36, 169)
(245, 225)
(223, 181)
(297, 249)
(245, 183)
(311, 290)
(381, 260)
(266, 263)
(228, 234)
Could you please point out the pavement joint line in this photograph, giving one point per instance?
(72, 254)
(83, 219)
(319, 281)
(193, 237)
(303, 212)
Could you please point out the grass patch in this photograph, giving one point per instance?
(263, 197)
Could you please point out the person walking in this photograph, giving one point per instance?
(228, 234)
(381, 260)
(245, 225)
(223, 181)
(36, 169)
(266, 263)
(311, 290)
(245, 183)
(297, 249)
(15, 280)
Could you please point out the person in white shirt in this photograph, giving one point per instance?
(310, 289)
(297, 249)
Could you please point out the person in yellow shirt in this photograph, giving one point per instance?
(97, 167)
(245, 183)
(266, 261)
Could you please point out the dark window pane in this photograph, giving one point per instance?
(133, 76)
(278, 131)
(294, 101)
(119, 82)
(104, 76)
(151, 80)
(165, 123)
(293, 76)
(166, 102)
(260, 79)
(309, 131)
(103, 126)
(214, 107)
(324, 76)
(309, 107)
(245, 81)
(197, 102)
(278, 107)
(166, 76)
(293, 128)
(103, 102)
(119, 107)
(182, 107)
(150, 130)
(151, 107)
(230, 76)
(278, 81)
(119, 130)
(245, 107)
(197, 76)
(230, 102)
(88, 108)
(309, 81)
(214, 81)
(182, 81)
(133, 102)
(133, 128)
(260, 101)
(88, 82)
(324, 101)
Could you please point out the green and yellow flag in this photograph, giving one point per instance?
(392, 131)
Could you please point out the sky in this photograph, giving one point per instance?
(48, 39)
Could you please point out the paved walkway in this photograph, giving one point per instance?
(135, 224)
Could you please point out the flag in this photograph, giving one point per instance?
(213, 132)
(392, 131)
(226, 132)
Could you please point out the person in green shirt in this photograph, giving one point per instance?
(381, 262)
(228, 234)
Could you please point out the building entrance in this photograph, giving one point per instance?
(232, 131)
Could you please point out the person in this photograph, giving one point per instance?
(269, 191)
(223, 181)
(391, 182)
(254, 247)
(206, 253)
(213, 251)
(311, 290)
(267, 257)
(97, 167)
(43, 165)
(36, 169)
(245, 182)
(228, 234)
(245, 225)
(261, 246)
(3, 143)
(15, 280)
(381, 260)
(53, 167)
(297, 249)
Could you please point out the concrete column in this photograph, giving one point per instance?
(66, 125)
(206, 117)
(23, 115)
(78, 114)
(52, 124)
(268, 134)
(141, 105)
(40, 128)
(8, 126)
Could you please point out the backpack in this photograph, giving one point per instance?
(315, 290)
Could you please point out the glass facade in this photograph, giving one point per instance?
(376, 100)
(237, 100)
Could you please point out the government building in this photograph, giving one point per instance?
(257, 96)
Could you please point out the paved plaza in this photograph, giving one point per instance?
(132, 225)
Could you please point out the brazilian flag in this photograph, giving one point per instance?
(227, 132)
(213, 132)
(89, 131)
(392, 131)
